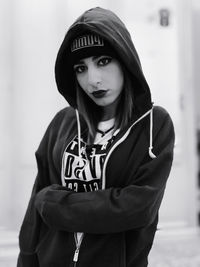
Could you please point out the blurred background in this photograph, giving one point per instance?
(166, 34)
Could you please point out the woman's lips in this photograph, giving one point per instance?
(99, 93)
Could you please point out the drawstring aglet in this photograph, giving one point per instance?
(151, 154)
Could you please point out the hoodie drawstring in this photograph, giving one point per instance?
(79, 133)
(151, 154)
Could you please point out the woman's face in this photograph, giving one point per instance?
(101, 77)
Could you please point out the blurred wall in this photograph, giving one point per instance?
(196, 68)
(5, 111)
(32, 32)
(35, 43)
(196, 55)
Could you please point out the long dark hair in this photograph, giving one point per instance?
(90, 111)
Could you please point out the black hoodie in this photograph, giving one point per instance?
(119, 221)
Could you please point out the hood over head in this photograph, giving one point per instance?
(106, 24)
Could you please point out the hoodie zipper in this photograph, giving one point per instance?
(78, 245)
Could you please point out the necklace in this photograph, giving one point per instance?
(103, 133)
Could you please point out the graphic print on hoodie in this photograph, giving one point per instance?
(83, 173)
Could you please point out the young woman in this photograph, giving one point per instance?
(104, 161)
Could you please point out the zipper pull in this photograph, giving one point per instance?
(76, 253)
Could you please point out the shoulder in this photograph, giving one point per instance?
(59, 125)
(161, 116)
(162, 122)
(64, 116)
(63, 119)
(67, 112)
(160, 112)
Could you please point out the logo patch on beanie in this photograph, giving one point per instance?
(89, 40)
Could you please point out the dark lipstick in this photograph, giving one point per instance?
(99, 93)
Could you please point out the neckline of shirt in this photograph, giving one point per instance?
(105, 125)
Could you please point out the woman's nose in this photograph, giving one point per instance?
(94, 77)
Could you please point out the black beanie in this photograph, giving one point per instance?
(90, 44)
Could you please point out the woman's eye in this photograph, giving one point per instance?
(79, 69)
(104, 61)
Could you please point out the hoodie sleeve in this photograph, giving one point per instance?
(114, 209)
(30, 231)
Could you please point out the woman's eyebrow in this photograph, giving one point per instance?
(95, 57)
(79, 63)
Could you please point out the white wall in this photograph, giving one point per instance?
(196, 68)
(196, 54)
(35, 99)
(5, 111)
